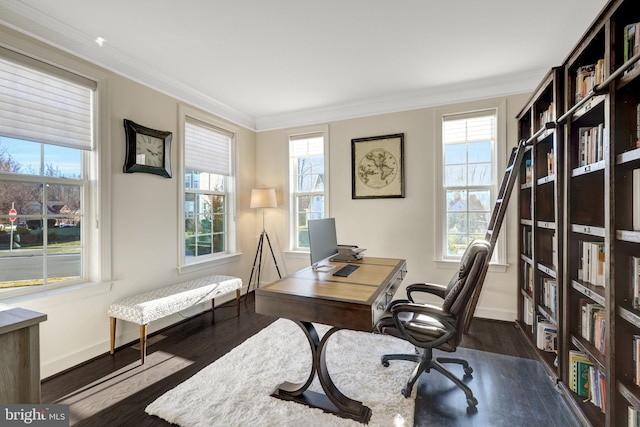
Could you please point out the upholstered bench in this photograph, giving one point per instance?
(158, 303)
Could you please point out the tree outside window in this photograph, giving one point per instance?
(468, 146)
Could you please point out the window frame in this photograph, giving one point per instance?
(293, 134)
(499, 258)
(184, 264)
(96, 198)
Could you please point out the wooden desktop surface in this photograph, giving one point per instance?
(354, 302)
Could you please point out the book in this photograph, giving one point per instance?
(635, 196)
(590, 144)
(550, 294)
(592, 262)
(587, 77)
(582, 377)
(638, 125)
(546, 335)
(632, 417)
(635, 351)
(579, 375)
(631, 42)
(635, 282)
(528, 312)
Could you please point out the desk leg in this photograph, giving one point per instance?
(333, 401)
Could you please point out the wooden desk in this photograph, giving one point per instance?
(355, 302)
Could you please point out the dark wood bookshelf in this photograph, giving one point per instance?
(581, 189)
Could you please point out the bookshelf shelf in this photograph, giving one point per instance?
(589, 414)
(548, 313)
(630, 392)
(547, 270)
(628, 236)
(590, 291)
(628, 156)
(588, 169)
(588, 230)
(592, 108)
(630, 316)
(628, 78)
(546, 224)
(590, 350)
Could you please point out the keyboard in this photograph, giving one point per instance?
(346, 270)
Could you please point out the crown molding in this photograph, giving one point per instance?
(31, 22)
(493, 87)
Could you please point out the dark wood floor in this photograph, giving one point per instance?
(114, 390)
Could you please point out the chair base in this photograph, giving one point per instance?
(426, 362)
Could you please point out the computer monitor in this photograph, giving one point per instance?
(322, 239)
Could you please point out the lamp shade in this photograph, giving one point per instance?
(263, 198)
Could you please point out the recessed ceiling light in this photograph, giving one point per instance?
(100, 41)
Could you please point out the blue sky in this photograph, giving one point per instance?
(28, 155)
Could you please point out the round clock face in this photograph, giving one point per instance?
(378, 168)
(149, 150)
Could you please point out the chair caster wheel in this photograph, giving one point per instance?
(472, 402)
(385, 363)
(468, 371)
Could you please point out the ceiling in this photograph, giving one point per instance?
(283, 63)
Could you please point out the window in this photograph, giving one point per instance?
(468, 178)
(208, 184)
(308, 184)
(47, 159)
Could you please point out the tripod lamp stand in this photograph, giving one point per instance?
(262, 198)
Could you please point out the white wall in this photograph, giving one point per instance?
(144, 220)
(400, 228)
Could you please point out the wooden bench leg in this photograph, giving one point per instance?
(112, 321)
(213, 311)
(143, 342)
(237, 302)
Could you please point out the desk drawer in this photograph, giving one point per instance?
(385, 297)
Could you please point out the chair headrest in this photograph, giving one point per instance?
(467, 276)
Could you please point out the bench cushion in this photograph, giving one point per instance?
(149, 306)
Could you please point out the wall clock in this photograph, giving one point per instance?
(148, 150)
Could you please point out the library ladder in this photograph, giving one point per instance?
(499, 211)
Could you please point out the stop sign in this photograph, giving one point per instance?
(12, 215)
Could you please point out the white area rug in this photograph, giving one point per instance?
(235, 390)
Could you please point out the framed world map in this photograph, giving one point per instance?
(377, 167)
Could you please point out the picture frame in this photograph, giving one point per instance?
(147, 150)
(377, 167)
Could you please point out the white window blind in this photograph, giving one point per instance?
(207, 149)
(308, 145)
(41, 107)
(468, 128)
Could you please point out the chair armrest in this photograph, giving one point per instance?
(427, 309)
(430, 288)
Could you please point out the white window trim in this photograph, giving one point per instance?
(98, 209)
(299, 131)
(231, 254)
(499, 163)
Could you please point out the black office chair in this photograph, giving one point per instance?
(427, 326)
